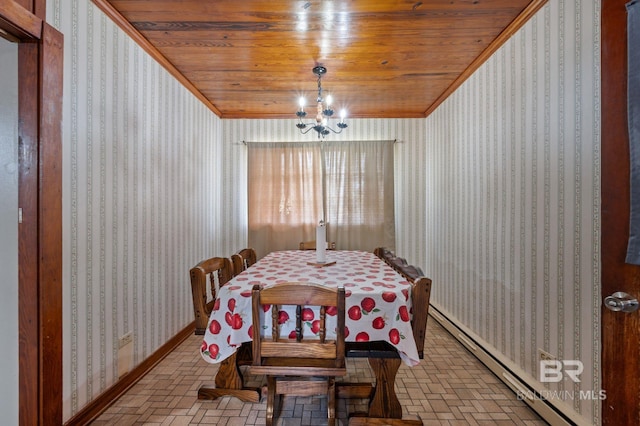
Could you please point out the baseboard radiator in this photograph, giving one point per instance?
(553, 412)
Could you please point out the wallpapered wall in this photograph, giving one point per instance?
(497, 195)
(141, 173)
(513, 204)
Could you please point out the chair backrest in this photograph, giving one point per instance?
(384, 254)
(410, 272)
(420, 295)
(220, 271)
(248, 256)
(238, 264)
(311, 245)
(300, 295)
(242, 260)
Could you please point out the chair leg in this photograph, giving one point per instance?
(278, 401)
(331, 401)
(271, 394)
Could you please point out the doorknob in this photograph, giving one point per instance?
(621, 301)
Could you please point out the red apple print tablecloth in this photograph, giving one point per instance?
(377, 301)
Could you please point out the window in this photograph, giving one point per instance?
(286, 199)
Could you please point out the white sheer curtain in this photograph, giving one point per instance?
(360, 199)
(285, 194)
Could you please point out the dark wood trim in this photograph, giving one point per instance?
(28, 231)
(111, 395)
(513, 27)
(129, 29)
(259, 116)
(620, 335)
(18, 21)
(40, 68)
(50, 226)
(39, 8)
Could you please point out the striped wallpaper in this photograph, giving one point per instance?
(141, 200)
(496, 196)
(513, 181)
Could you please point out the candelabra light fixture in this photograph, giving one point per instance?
(324, 112)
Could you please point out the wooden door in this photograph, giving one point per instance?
(620, 331)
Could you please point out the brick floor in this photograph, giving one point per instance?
(449, 387)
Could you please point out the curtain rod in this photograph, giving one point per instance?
(244, 142)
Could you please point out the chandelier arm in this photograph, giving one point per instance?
(311, 126)
(334, 131)
(304, 132)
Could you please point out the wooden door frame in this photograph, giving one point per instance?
(40, 68)
(620, 374)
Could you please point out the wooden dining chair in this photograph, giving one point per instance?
(300, 365)
(243, 259)
(238, 264)
(311, 245)
(220, 271)
(420, 295)
(384, 254)
(379, 251)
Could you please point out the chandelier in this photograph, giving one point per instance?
(323, 114)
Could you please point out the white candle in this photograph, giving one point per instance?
(321, 243)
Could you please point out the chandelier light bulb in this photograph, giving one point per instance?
(329, 100)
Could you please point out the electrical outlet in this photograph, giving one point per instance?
(125, 354)
(126, 339)
(545, 356)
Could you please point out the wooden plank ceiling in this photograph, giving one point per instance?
(253, 58)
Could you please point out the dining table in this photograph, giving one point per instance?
(377, 305)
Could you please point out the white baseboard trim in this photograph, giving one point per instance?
(525, 388)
